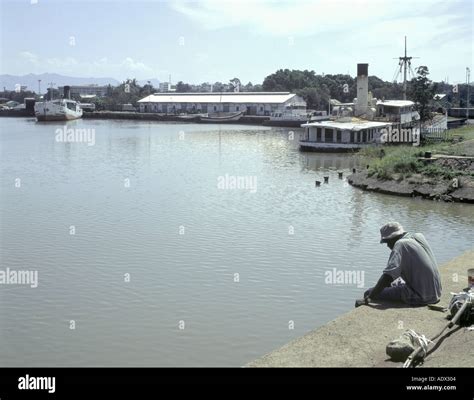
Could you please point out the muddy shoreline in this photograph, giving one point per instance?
(418, 186)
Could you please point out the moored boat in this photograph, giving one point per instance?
(190, 117)
(365, 122)
(294, 117)
(63, 109)
(58, 110)
(341, 136)
(221, 117)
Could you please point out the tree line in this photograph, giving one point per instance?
(315, 89)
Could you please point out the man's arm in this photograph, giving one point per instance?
(384, 281)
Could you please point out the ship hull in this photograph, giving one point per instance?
(57, 110)
(331, 147)
(58, 117)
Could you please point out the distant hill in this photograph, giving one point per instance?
(31, 81)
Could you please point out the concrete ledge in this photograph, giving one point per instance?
(359, 338)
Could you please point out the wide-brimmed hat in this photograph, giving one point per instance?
(390, 230)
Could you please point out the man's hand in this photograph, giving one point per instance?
(361, 302)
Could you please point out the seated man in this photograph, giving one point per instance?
(412, 260)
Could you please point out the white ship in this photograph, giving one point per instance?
(59, 109)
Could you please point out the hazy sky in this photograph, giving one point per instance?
(217, 40)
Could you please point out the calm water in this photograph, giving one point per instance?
(173, 173)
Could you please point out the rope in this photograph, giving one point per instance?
(422, 340)
(423, 343)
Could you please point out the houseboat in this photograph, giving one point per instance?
(339, 136)
(364, 122)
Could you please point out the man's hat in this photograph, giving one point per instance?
(390, 230)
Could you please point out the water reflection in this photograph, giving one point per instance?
(335, 161)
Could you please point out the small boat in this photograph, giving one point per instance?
(287, 118)
(316, 116)
(58, 110)
(221, 117)
(294, 117)
(190, 117)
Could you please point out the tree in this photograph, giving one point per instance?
(316, 98)
(147, 89)
(218, 87)
(422, 91)
(236, 84)
(248, 87)
(182, 87)
(18, 96)
(128, 92)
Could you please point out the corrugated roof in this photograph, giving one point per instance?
(216, 97)
(396, 103)
(355, 124)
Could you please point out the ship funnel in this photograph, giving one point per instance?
(362, 89)
(67, 92)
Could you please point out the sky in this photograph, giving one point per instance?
(209, 41)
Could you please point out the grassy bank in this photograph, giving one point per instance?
(401, 162)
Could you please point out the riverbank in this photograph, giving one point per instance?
(440, 171)
(359, 338)
(245, 119)
(136, 116)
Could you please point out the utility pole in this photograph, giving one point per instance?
(39, 87)
(468, 74)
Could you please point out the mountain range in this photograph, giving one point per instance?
(31, 81)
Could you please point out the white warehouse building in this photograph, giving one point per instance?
(252, 103)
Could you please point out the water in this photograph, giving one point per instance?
(173, 172)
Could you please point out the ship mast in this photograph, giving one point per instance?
(406, 61)
(405, 66)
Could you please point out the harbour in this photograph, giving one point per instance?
(191, 191)
(157, 241)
